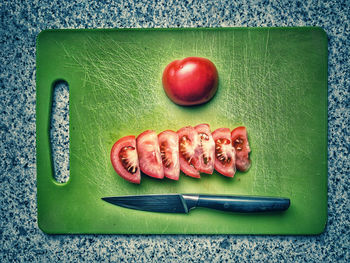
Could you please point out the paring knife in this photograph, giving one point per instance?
(183, 203)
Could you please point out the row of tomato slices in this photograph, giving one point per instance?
(193, 150)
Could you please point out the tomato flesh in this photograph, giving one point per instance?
(125, 160)
(224, 152)
(190, 81)
(240, 142)
(169, 152)
(149, 154)
(188, 151)
(206, 149)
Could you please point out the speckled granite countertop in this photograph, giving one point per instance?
(22, 240)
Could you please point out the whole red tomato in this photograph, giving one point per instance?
(190, 81)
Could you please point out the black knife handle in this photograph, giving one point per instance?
(242, 204)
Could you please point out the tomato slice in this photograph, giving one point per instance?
(169, 151)
(224, 152)
(206, 149)
(125, 160)
(188, 151)
(149, 154)
(240, 142)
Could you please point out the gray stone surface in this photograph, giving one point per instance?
(20, 237)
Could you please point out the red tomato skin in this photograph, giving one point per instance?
(228, 170)
(207, 149)
(190, 81)
(117, 165)
(192, 168)
(243, 162)
(170, 140)
(149, 154)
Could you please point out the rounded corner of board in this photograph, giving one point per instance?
(44, 227)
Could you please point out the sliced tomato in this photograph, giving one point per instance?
(206, 149)
(240, 142)
(149, 154)
(169, 151)
(188, 151)
(125, 160)
(224, 152)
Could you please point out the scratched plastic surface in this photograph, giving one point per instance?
(272, 80)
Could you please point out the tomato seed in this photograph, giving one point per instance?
(166, 160)
(238, 143)
(185, 145)
(220, 152)
(124, 156)
(203, 136)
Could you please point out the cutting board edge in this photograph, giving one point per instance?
(45, 229)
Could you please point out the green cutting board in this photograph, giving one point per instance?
(271, 80)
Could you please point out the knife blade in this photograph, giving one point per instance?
(183, 203)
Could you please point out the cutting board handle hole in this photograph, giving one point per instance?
(59, 131)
